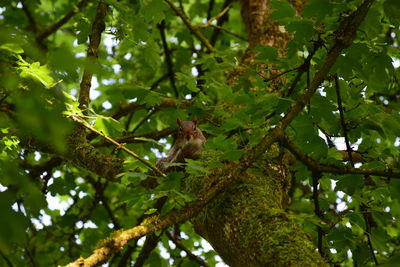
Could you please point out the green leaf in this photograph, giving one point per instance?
(379, 239)
(266, 53)
(341, 237)
(282, 10)
(318, 9)
(150, 211)
(133, 178)
(394, 187)
(232, 155)
(392, 10)
(350, 183)
(36, 72)
(83, 28)
(151, 53)
(108, 126)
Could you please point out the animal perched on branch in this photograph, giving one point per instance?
(188, 145)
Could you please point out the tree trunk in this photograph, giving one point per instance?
(247, 224)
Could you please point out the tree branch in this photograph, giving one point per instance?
(120, 146)
(217, 17)
(190, 255)
(168, 60)
(32, 22)
(98, 27)
(53, 28)
(165, 102)
(114, 243)
(149, 245)
(342, 121)
(318, 167)
(185, 20)
(344, 37)
(137, 138)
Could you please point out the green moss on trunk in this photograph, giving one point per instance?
(247, 225)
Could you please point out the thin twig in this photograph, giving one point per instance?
(120, 146)
(318, 167)
(275, 76)
(367, 215)
(189, 254)
(185, 20)
(53, 28)
(143, 120)
(342, 120)
(305, 67)
(229, 32)
(138, 138)
(168, 60)
(218, 28)
(210, 21)
(317, 210)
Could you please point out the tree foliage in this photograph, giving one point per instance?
(303, 93)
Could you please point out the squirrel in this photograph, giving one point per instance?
(189, 144)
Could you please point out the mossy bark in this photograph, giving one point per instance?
(247, 224)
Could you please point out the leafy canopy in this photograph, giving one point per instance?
(150, 69)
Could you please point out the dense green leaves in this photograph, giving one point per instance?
(53, 211)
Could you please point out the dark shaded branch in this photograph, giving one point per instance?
(6, 259)
(28, 14)
(189, 254)
(149, 245)
(317, 210)
(368, 217)
(143, 120)
(120, 146)
(127, 255)
(98, 27)
(158, 81)
(210, 8)
(185, 20)
(37, 170)
(219, 28)
(344, 37)
(151, 225)
(342, 120)
(305, 67)
(165, 102)
(168, 60)
(53, 28)
(137, 138)
(220, 22)
(217, 17)
(318, 167)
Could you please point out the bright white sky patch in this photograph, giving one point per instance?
(93, 92)
(107, 105)
(195, 72)
(396, 63)
(116, 68)
(128, 56)
(54, 203)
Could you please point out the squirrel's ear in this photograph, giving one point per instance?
(194, 120)
(178, 121)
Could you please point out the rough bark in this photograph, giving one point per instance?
(247, 224)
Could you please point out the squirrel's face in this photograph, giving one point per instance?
(188, 130)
